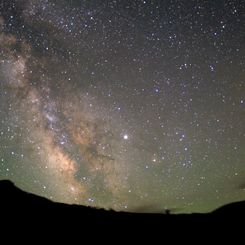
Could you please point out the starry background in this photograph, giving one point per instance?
(130, 105)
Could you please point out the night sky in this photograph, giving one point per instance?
(133, 105)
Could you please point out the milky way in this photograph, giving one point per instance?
(129, 105)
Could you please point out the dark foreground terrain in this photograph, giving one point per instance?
(17, 206)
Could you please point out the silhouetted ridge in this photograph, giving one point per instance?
(13, 196)
(21, 205)
(6, 184)
(236, 209)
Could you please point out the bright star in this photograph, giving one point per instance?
(125, 136)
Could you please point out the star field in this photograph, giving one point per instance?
(130, 105)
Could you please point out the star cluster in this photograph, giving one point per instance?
(130, 105)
